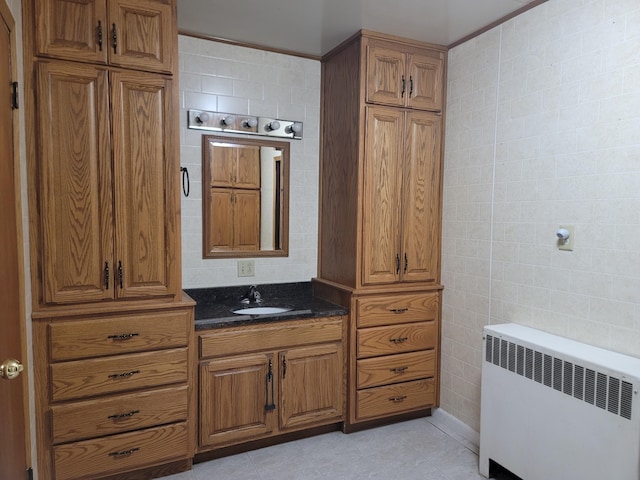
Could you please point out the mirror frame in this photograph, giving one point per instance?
(283, 251)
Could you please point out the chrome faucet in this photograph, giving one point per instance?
(252, 296)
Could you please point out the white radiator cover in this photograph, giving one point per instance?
(557, 409)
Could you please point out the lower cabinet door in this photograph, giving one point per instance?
(312, 387)
(119, 453)
(237, 399)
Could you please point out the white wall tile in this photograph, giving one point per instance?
(566, 112)
(233, 79)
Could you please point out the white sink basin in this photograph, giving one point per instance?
(260, 310)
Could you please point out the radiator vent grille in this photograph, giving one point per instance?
(596, 388)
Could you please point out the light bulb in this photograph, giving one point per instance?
(274, 125)
(226, 121)
(203, 117)
(250, 123)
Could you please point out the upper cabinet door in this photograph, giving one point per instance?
(386, 76)
(425, 82)
(381, 202)
(404, 77)
(144, 164)
(75, 183)
(421, 198)
(72, 29)
(137, 34)
(142, 34)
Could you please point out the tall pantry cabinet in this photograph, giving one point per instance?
(111, 328)
(380, 218)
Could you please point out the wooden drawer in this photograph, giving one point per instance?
(270, 337)
(373, 372)
(394, 309)
(376, 341)
(84, 378)
(117, 453)
(98, 337)
(393, 399)
(118, 414)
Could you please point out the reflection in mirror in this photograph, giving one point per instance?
(245, 197)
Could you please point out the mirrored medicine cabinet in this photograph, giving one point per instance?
(245, 210)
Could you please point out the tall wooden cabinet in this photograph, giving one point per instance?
(112, 328)
(380, 217)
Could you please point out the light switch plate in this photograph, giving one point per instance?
(568, 245)
(246, 268)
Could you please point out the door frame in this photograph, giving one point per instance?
(7, 17)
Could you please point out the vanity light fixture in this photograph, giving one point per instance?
(234, 123)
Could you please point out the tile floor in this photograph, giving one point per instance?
(412, 450)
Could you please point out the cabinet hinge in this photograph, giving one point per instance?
(14, 95)
(29, 472)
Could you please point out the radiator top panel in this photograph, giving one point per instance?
(584, 382)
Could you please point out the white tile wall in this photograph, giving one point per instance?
(543, 129)
(233, 79)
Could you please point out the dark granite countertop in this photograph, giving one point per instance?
(214, 305)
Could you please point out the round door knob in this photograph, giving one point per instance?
(10, 369)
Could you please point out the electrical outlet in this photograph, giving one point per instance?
(246, 268)
(568, 244)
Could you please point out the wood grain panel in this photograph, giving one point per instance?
(382, 187)
(311, 386)
(410, 337)
(119, 414)
(246, 222)
(68, 29)
(341, 143)
(269, 337)
(146, 32)
(426, 76)
(421, 198)
(83, 378)
(75, 175)
(387, 80)
(117, 453)
(142, 113)
(394, 399)
(394, 309)
(116, 335)
(403, 367)
(233, 395)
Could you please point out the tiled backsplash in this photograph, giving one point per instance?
(543, 130)
(233, 79)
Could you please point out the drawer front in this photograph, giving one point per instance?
(117, 453)
(394, 399)
(373, 372)
(394, 309)
(83, 378)
(118, 414)
(87, 338)
(376, 341)
(269, 337)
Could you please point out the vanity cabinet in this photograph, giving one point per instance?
(134, 34)
(380, 217)
(258, 381)
(112, 392)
